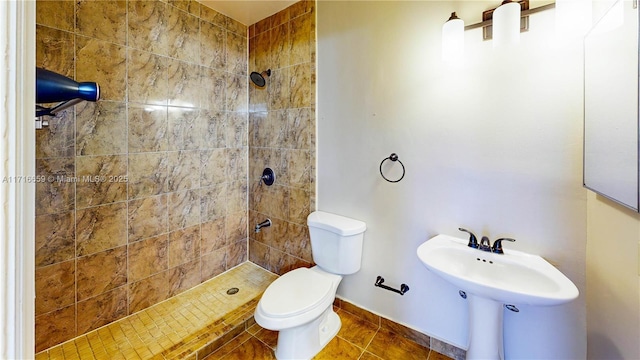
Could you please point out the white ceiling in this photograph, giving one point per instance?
(249, 12)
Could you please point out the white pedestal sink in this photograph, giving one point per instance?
(491, 281)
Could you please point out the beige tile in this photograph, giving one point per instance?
(147, 78)
(300, 128)
(101, 128)
(55, 287)
(55, 14)
(101, 272)
(212, 45)
(56, 194)
(54, 50)
(388, 345)
(183, 131)
(236, 56)
(359, 312)
(236, 253)
(211, 125)
(442, 350)
(102, 62)
(236, 93)
(251, 349)
(237, 27)
(183, 35)
(339, 348)
(236, 197)
(184, 170)
(184, 82)
(301, 41)
(213, 16)
(213, 263)
(236, 133)
(147, 257)
(105, 20)
(55, 238)
(55, 327)
(213, 203)
(184, 277)
(236, 227)
(356, 330)
(190, 6)
(413, 335)
(184, 209)
(102, 309)
(300, 86)
(278, 89)
(184, 246)
(147, 174)
(147, 217)
(147, 21)
(280, 46)
(148, 128)
(59, 139)
(229, 346)
(101, 180)
(213, 235)
(101, 228)
(214, 166)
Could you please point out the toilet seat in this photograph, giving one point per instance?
(296, 292)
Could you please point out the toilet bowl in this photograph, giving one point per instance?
(299, 304)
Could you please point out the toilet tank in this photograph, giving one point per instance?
(336, 242)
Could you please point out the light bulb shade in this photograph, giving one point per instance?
(506, 25)
(453, 39)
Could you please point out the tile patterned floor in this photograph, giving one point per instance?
(358, 339)
(188, 326)
(207, 323)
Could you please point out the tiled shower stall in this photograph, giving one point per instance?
(152, 190)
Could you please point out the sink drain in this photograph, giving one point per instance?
(233, 291)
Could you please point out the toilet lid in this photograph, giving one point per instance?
(295, 292)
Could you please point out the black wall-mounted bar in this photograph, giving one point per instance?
(403, 287)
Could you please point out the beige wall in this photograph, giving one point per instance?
(169, 136)
(282, 137)
(613, 280)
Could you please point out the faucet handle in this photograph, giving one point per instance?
(497, 245)
(473, 240)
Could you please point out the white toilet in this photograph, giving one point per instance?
(299, 304)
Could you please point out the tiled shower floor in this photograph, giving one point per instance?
(207, 323)
(188, 326)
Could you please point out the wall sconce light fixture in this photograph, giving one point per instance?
(453, 38)
(506, 23)
(500, 24)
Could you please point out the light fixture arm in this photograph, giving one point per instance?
(523, 14)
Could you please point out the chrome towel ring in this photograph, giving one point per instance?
(393, 157)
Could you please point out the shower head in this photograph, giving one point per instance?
(258, 78)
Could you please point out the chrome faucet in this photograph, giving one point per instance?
(263, 224)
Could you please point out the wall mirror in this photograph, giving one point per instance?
(611, 105)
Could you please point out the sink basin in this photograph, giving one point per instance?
(492, 281)
(511, 278)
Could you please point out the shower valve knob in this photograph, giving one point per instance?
(268, 177)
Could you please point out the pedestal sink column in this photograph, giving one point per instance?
(485, 329)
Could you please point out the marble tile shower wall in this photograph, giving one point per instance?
(147, 189)
(282, 137)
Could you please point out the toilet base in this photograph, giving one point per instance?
(305, 341)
